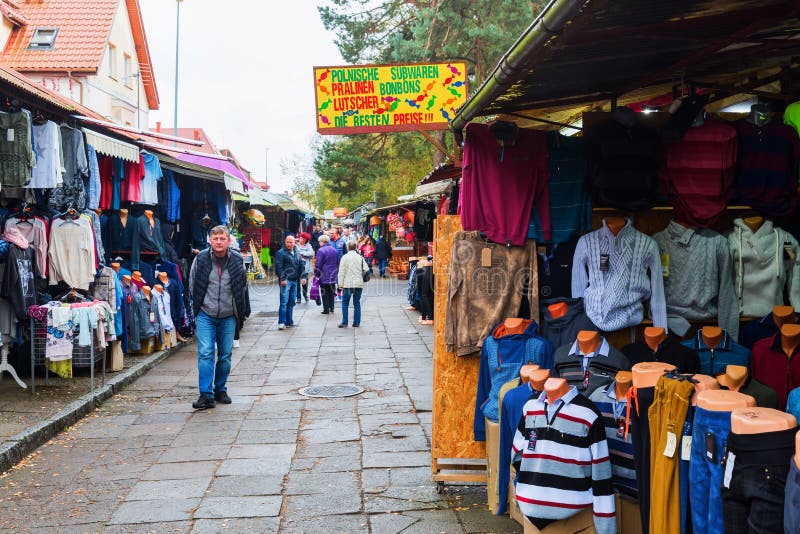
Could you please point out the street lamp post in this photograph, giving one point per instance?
(266, 166)
(177, 43)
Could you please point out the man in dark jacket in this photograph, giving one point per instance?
(327, 270)
(383, 251)
(289, 269)
(218, 286)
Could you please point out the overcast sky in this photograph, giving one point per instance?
(246, 74)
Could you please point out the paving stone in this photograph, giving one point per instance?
(391, 523)
(181, 471)
(252, 525)
(169, 489)
(249, 437)
(331, 502)
(388, 459)
(254, 466)
(192, 454)
(154, 511)
(236, 486)
(175, 527)
(301, 483)
(232, 507)
(341, 524)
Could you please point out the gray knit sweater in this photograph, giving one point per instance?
(615, 275)
(698, 277)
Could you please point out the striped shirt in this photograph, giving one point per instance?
(561, 455)
(620, 448)
(615, 274)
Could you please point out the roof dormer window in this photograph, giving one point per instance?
(43, 38)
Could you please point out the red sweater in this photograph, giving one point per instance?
(773, 368)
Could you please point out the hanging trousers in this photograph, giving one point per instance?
(791, 507)
(666, 418)
(753, 494)
(709, 438)
(686, 514)
(640, 432)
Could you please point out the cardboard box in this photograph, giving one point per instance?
(513, 507)
(582, 522)
(492, 454)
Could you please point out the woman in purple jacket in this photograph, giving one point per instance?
(327, 270)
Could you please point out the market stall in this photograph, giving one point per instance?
(570, 247)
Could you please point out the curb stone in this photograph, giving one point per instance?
(24, 443)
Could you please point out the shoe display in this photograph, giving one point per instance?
(281, 326)
(222, 397)
(204, 403)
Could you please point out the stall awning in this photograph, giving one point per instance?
(222, 165)
(112, 147)
(234, 185)
(259, 198)
(190, 169)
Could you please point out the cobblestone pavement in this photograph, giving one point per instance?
(271, 461)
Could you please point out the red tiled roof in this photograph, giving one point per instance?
(10, 9)
(83, 30)
(197, 134)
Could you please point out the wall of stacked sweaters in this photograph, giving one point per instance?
(95, 248)
(620, 367)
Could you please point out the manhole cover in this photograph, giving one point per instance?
(330, 392)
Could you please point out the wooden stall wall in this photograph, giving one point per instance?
(455, 454)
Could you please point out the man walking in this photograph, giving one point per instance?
(339, 242)
(327, 270)
(351, 280)
(218, 286)
(383, 252)
(289, 268)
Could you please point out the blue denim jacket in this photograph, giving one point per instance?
(714, 362)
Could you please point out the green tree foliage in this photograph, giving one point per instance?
(407, 31)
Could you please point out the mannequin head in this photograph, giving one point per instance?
(163, 276)
(137, 275)
(158, 288)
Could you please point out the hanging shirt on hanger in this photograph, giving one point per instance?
(131, 190)
(17, 157)
(47, 173)
(152, 175)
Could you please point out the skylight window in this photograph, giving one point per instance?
(43, 38)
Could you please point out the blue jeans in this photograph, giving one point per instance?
(705, 475)
(288, 300)
(210, 332)
(382, 266)
(354, 292)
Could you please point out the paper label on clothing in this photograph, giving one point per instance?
(686, 448)
(672, 445)
(726, 479)
(152, 317)
(711, 448)
(665, 264)
(532, 441)
(486, 257)
(605, 262)
(10, 135)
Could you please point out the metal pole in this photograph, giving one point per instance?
(138, 105)
(266, 165)
(177, 41)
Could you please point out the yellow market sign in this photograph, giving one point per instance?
(388, 98)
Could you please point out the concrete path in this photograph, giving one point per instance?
(273, 461)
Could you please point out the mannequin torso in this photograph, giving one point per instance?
(754, 223)
(123, 217)
(723, 401)
(654, 336)
(783, 315)
(703, 383)
(146, 291)
(588, 341)
(615, 224)
(538, 379)
(126, 279)
(734, 378)
(712, 335)
(149, 215)
(512, 323)
(163, 277)
(137, 275)
(558, 310)
(790, 338)
(526, 371)
(115, 265)
(760, 420)
(646, 374)
(555, 389)
(622, 383)
(159, 288)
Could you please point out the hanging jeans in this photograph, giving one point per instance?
(354, 292)
(640, 431)
(753, 498)
(791, 508)
(709, 437)
(666, 417)
(288, 298)
(210, 332)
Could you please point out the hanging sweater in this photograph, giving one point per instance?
(615, 275)
(698, 277)
(502, 356)
(765, 263)
(563, 330)
(589, 371)
(561, 455)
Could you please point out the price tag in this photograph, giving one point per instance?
(726, 479)
(532, 441)
(10, 135)
(672, 445)
(686, 448)
(711, 448)
(152, 317)
(486, 257)
(605, 262)
(665, 264)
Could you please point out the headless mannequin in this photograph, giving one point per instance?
(539, 378)
(126, 279)
(712, 336)
(760, 420)
(734, 378)
(589, 341)
(754, 223)
(646, 374)
(526, 371)
(137, 275)
(558, 310)
(123, 217)
(163, 277)
(724, 401)
(783, 315)
(622, 383)
(654, 336)
(159, 288)
(759, 115)
(615, 224)
(790, 338)
(555, 389)
(146, 291)
(149, 215)
(512, 322)
(115, 265)
(703, 383)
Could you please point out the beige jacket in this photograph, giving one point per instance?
(351, 270)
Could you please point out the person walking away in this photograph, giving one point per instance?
(327, 270)
(383, 252)
(218, 287)
(289, 269)
(351, 280)
(306, 253)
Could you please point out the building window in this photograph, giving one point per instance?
(112, 61)
(43, 38)
(127, 70)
